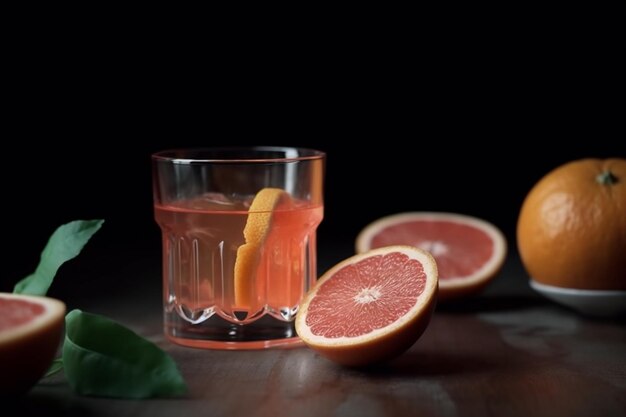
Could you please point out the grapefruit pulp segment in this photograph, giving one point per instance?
(370, 307)
(469, 251)
(30, 331)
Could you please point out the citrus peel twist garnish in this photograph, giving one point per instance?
(258, 226)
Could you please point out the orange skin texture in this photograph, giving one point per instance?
(384, 349)
(571, 230)
(25, 360)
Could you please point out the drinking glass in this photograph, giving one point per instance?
(239, 249)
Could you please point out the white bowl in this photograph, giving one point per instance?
(591, 302)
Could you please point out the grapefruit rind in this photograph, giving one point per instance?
(379, 344)
(27, 349)
(256, 230)
(453, 287)
(54, 311)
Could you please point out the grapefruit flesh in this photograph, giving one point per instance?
(371, 307)
(30, 331)
(469, 251)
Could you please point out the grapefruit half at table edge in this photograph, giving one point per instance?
(458, 242)
(370, 307)
(31, 328)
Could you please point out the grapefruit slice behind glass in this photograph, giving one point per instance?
(469, 251)
(370, 307)
(30, 331)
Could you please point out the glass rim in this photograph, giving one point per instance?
(177, 155)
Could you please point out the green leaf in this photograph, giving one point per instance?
(55, 367)
(65, 243)
(103, 358)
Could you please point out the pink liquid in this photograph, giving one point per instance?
(200, 242)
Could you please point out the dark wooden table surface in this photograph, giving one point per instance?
(507, 352)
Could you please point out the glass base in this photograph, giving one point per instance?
(218, 333)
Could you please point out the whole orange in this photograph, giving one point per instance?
(571, 231)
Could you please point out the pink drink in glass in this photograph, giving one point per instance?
(201, 236)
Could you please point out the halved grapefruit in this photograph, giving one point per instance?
(469, 251)
(370, 307)
(30, 331)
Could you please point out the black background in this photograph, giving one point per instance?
(464, 123)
